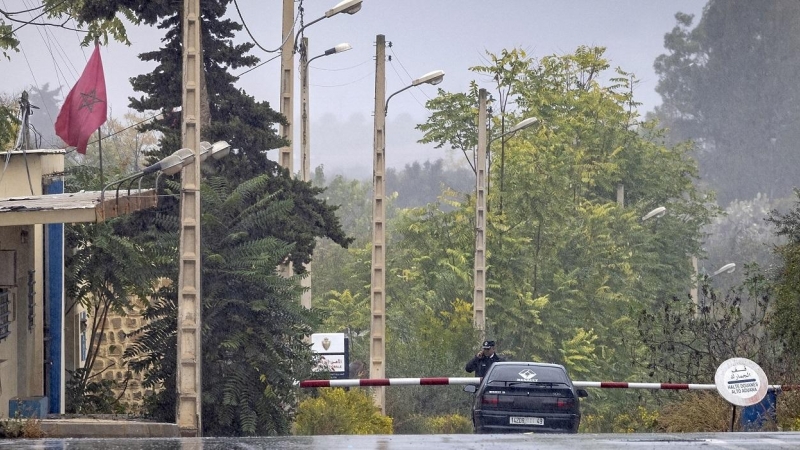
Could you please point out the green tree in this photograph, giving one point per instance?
(787, 307)
(728, 84)
(9, 123)
(253, 348)
(569, 267)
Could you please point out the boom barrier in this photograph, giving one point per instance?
(439, 381)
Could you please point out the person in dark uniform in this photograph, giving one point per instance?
(483, 360)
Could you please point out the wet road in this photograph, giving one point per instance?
(733, 441)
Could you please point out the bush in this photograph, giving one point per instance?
(19, 427)
(789, 411)
(697, 412)
(446, 424)
(640, 420)
(452, 424)
(336, 411)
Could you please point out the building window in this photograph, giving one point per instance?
(31, 299)
(5, 314)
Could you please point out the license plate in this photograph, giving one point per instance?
(526, 420)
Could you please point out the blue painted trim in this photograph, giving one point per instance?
(54, 289)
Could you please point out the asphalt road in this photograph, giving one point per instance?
(731, 441)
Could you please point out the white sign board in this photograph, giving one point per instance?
(324, 343)
(741, 382)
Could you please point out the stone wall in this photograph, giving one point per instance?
(109, 358)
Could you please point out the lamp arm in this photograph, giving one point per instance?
(316, 57)
(297, 36)
(386, 107)
(119, 182)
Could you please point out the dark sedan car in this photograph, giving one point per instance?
(519, 397)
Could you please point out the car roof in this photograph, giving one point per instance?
(527, 364)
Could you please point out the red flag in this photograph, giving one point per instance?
(85, 107)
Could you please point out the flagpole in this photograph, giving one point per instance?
(100, 150)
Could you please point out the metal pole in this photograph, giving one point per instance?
(305, 169)
(305, 156)
(378, 280)
(479, 280)
(189, 371)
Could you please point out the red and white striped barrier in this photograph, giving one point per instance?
(626, 385)
(439, 381)
(435, 381)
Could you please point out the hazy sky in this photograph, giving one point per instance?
(425, 35)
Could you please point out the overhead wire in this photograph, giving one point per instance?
(257, 66)
(120, 131)
(344, 84)
(396, 58)
(285, 38)
(31, 21)
(343, 68)
(61, 78)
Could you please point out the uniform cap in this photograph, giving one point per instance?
(488, 344)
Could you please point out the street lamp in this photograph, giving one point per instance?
(479, 262)
(305, 136)
(377, 349)
(347, 6)
(217, 150)
(434, 78)
(658, 212)
(168, 165)
(305, 156)
(726, 269)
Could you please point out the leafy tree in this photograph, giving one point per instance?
(728, 84)
(688, 342)
(787, 289)
(568, 266)
(9, 123)
(420, 184)
(43, 117)
(253, 347)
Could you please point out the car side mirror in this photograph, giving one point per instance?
(582, 393)
(470, 388)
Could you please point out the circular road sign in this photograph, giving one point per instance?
(741, 382)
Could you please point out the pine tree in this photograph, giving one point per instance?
(255, 215)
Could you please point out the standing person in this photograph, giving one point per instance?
(483, 360)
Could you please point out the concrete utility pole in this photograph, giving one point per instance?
(377, 350)
(285, 155)
(305, 159)
(189, 370)
(305, 135)
(479, 293)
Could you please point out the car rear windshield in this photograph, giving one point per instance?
(532, 374)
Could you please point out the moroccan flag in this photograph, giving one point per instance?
(85, 107)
